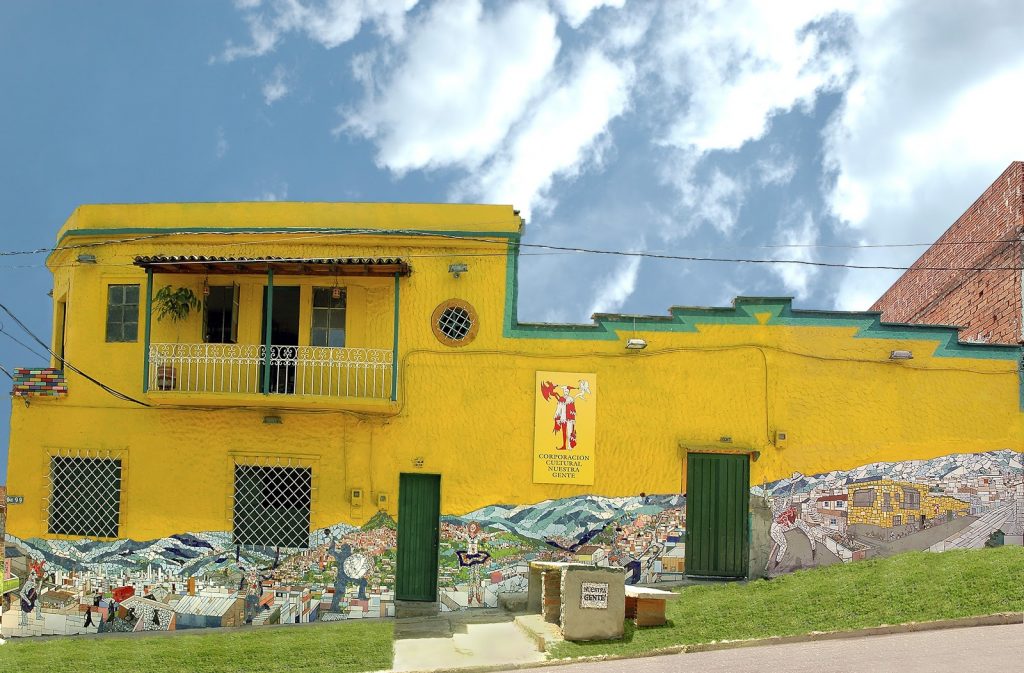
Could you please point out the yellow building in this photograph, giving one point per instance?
(344, 366)
(891, 504)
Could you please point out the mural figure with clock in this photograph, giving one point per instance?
(351, 567)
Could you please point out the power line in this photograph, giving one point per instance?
(67, 365)
(558, 249)
(317, 234)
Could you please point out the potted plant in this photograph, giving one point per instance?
(175, 304)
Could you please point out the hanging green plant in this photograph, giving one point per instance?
(174, 304)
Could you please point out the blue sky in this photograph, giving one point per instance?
(717, 129)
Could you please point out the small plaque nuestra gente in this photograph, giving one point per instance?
(594, 595)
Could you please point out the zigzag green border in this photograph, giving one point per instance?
(606, 326)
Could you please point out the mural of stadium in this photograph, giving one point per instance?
(197, 580)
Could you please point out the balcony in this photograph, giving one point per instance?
(286, 370)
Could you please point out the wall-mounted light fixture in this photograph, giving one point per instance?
(87, 259)
(635, 344)
(272, 420)
(901, 355)
(457, 270)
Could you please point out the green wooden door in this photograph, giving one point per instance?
(419, 512)
(717, 501)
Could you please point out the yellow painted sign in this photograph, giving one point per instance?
(564, 428)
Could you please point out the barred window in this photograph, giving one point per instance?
(328, 317)
(272, 505)
(122, 313)
(85, 495)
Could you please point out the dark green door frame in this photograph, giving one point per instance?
(717, 506)
(419, 523)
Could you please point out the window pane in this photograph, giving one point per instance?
(115, 294)
(336, 338)
(130, 331)
(114, 331)
(319, 336)
(131, 294)
(321, 297)
(115, 314)
(338, 319)
(321, 317)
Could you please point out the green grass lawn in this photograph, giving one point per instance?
(912, 587)
(340, 648)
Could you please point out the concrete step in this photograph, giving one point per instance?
(406, 609)
(542, 633)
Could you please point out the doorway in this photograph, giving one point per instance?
(419, 518)
(284, 335)
(717, 503)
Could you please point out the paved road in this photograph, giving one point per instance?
(982, 649)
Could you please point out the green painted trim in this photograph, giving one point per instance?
(148, 332)
(744, 311)
(267, 331)
(394, 347)
(511, 235)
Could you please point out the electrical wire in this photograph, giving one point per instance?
(67, 365)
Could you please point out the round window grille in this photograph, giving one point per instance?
(454, 322)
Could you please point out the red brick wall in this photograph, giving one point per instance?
(987, 305)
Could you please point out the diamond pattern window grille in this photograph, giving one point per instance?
(84, 493)
(455, 323)
(272, 501)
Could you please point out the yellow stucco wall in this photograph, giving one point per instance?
(468, 413)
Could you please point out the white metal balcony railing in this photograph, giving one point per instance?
(298, 370)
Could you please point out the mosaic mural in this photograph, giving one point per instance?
(958, 501)
(198, 580)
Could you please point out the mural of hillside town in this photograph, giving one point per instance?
(963, 500)
(198, 580)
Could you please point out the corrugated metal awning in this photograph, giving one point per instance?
(338, 266)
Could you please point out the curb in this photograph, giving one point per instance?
(998, 619)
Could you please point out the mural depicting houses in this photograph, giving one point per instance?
(199, 580)
(885, 508)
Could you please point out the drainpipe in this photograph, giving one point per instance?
(394, 348)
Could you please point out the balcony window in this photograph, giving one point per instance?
(328, 317)
(122, 313)
(220, 315)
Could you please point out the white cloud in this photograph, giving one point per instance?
(739, 63)
(557, 137)
(796, 278)
(932, 118)
(776, 171)
(716, 202)
(577, 11)
(328, 22)
(455, 93)
(276, 88)
(280, 193)
(617, 287)
(221, 148)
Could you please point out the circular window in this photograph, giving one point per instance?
(454, 322)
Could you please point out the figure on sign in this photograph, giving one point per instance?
(565, 409)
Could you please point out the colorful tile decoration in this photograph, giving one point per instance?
(197, 580)
(39, 382)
